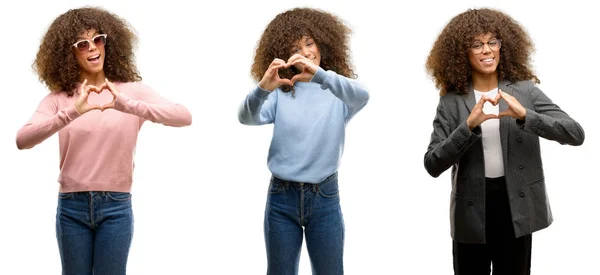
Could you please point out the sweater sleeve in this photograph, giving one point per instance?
(349, 91)
(258, 108)
(153, 107)
(47, 120)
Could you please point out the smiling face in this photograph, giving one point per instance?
(307, 48)
(89, 52)
(484, 54)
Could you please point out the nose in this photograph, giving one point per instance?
(92, 46)
(305, 51)
(486, 48)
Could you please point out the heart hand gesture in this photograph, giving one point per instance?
(271, 79)
(515, 109)
(309, 69)
(113, 90)
(477, 115)
(81, 104)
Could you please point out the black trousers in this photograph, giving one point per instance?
(506, 254)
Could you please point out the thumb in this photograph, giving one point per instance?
(504, 113)
(294, 79)
(287, 81)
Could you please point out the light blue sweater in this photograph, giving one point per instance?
(309, 128)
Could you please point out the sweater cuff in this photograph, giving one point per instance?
(319, 76)
(72, 113)
(260, 92)
(121, 102)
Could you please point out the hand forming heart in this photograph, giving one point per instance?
(515, 109)
(81, 103)
(113, 90)
(477, 116)
(271, 79)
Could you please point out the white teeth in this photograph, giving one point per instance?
(488, 60)
(94, 57)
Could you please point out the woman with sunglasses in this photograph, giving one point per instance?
(489, 119)
(306, 89)
(90, 51)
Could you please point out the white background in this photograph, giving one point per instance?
(200, 191)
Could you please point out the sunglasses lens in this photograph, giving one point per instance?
(99, 41)
(83, 45)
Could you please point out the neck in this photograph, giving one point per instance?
(95, 79)
(485, 82)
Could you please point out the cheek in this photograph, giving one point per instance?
(472, 61)
(79, 57)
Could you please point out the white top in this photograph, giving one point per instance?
(490, 134)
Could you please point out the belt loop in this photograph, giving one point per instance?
(315, 188)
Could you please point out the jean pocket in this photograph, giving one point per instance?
(119, 196)
(275, 187)
(64, 196)
(329, 189)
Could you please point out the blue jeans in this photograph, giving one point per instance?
(94, 232)
(295, 209)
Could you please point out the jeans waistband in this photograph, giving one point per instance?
(329, 178)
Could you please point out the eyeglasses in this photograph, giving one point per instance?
(84, 45)
(494, 45)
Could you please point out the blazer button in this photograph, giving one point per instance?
(521, 194)
(519, 139)
(521, 166)
(470, 203)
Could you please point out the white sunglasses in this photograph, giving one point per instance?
(84, 45)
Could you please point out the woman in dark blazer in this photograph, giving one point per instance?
(487, 127)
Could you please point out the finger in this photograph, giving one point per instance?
(505, 113)
(498, 97)
(490, 116)
(93, 107)
(481, 101)
(102, 87)
(284, 81)
(299, 61)
(302, 76)
(295, 78)
(111, 87)
(109, 84)
(505, 95)
(94, 89)
(294, 58)
(83, 84)
(275, 68)
(277, 61)
(108, 106)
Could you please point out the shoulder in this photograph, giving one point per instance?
(135, 90)
(451, 98)
(522, 86)
(132, 86)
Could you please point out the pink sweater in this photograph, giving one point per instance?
(97, 148)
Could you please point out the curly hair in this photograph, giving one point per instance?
(448, 61)
(330, 34)
(55, 62)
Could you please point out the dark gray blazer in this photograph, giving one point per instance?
(454, 145)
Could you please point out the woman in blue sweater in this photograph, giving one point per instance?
(306, 89)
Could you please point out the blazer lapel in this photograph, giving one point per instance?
(469, 98)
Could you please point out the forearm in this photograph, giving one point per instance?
(250, 109)
(560, 128)
(39, 129)
(167, 113)
(442, 153)
(347, 90)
